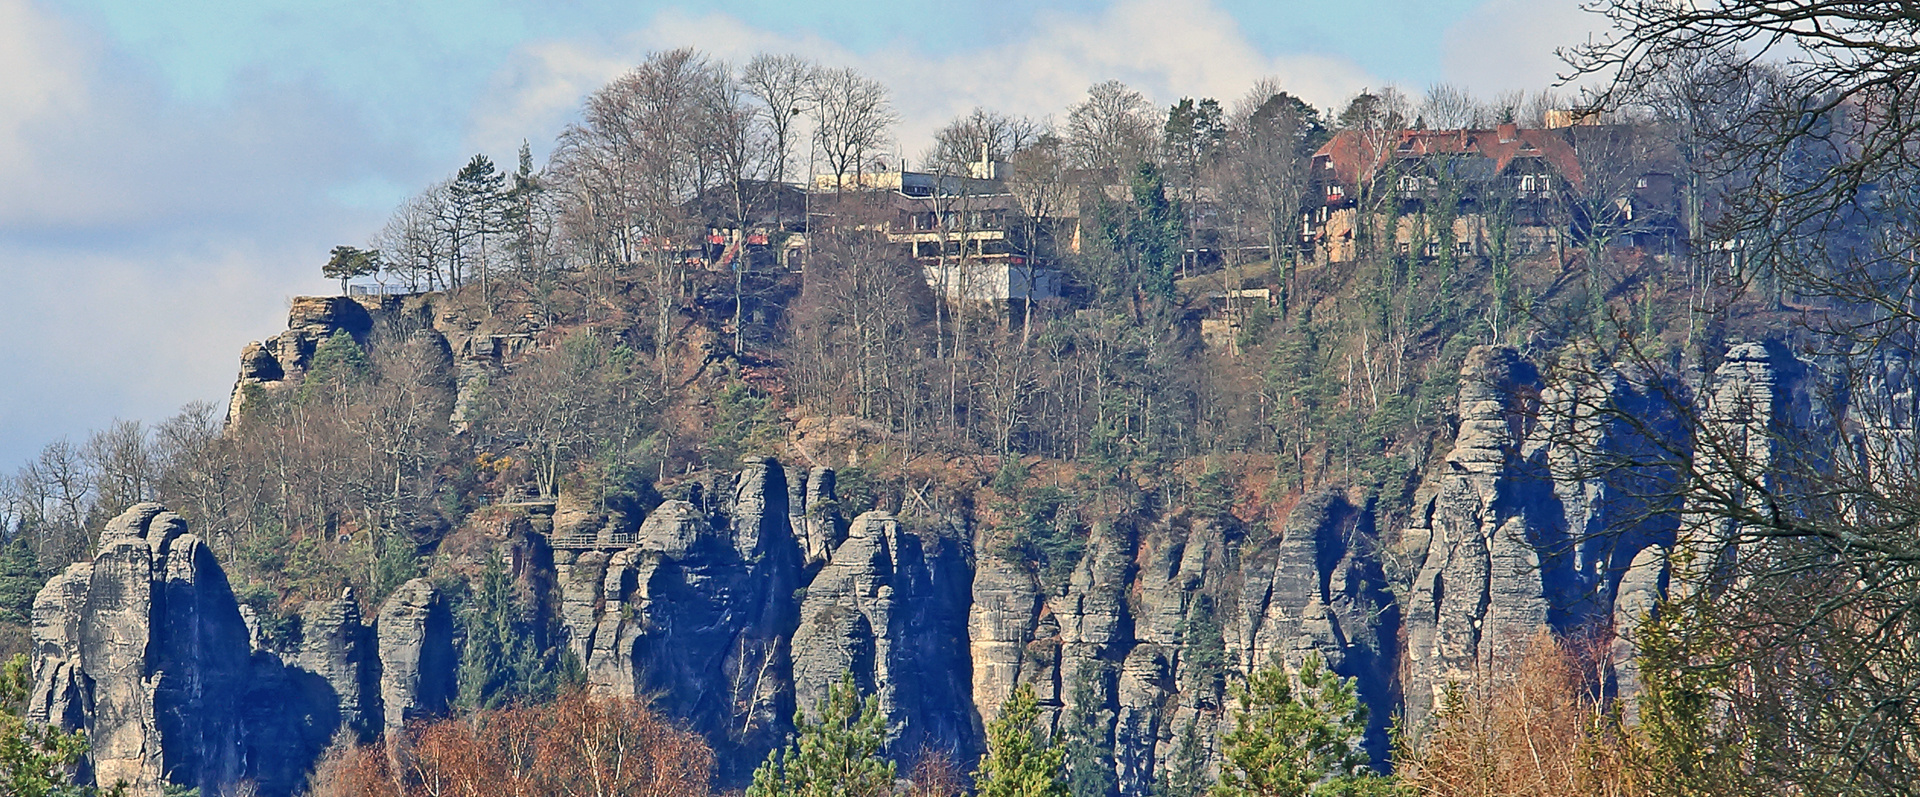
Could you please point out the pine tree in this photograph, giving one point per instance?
(19, 581)
(346, 262)
(1089, 758)
(34, 759)
(1292, 743)
(521, 201)
(503, 661)
(477, 194)
(837, 756)
(1020, 760)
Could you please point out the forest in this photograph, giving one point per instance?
(709, 267)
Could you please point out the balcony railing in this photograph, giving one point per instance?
(601, 540)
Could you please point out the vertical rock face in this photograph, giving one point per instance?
(416, 659)
(145, 649)
(1000, 624)
(1482, 589)
(1320, 590)
(1153, 620)
(699, 611)
(732, 609)
(887, 608)
(337, 647)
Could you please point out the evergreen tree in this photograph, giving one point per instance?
(837, 756)
(1020, 762)
(1289, 742)
(503, 661)
(1186, 774)
(1154, 232)
(1089, 756)
(346, 262)
(518, 214)
(337, 361)
(397, 562)
(19, 581)
(477, 197)
(34, 759)
(1204, 656)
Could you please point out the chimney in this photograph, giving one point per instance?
(1509, 132)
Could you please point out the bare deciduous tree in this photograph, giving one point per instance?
(851, 118)
(780, 83)
(1113, 128)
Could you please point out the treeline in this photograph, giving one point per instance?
(1536, 725)
(652, 363)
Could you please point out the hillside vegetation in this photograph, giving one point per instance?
(649, 313)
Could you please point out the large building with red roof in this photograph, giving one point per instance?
(1543, 188)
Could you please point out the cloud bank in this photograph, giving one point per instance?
(1166, 50)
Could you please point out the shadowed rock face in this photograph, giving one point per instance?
(733, 610)
(146, 649)
(416, 660)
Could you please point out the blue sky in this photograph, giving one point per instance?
(172, 173)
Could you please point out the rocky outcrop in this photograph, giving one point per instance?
(416, 658)
(472, 349)
(146, 649)
(267, 365)
(1482, 589)
(886, 608)
(739, 603)
(338, 648)
(698, 610)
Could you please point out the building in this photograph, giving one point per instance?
(1543, 188)
(969, 233)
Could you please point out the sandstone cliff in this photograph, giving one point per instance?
(735, 608)
(146, 649)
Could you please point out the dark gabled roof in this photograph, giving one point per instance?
(1357, 155)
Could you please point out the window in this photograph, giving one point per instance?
(1640, 183)
(1533, 184)
(1465, 247)
(1334, 191)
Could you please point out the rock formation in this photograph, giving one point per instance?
(281, 359)
(735, 607)
(416, 658)
(146, 649)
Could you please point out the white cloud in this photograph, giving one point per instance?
(1508, 45)
(38, 57)
(130, 334)
(1164, 49)
(143, 240)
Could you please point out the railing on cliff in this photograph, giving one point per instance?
(383, 290)
(592, 541)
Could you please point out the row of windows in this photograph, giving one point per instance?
(1528, 183)
(953, 220)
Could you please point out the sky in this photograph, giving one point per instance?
(172, 174)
